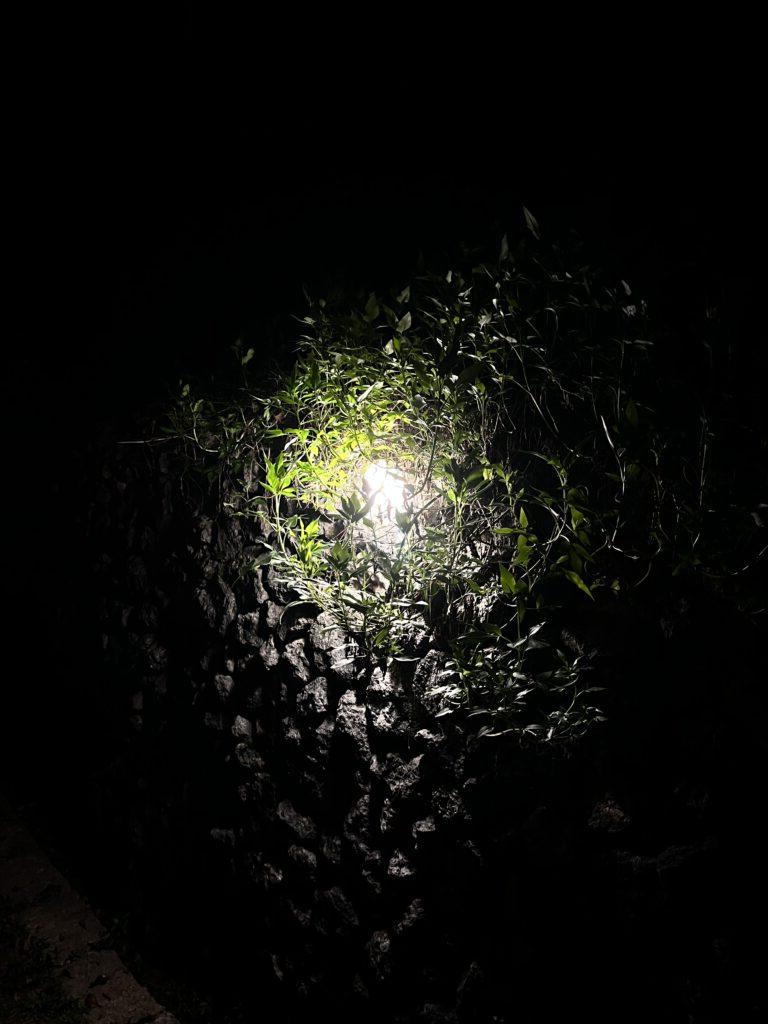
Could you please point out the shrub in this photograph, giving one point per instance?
(468, 459)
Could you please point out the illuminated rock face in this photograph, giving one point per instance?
(392, 871)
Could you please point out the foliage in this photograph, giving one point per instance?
(516, 402)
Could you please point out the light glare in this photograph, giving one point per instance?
(387, 490)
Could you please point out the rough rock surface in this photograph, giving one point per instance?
(374, 861)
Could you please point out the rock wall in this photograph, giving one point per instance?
(366, 859)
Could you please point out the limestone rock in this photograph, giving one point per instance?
(247, 628)
(295, 654)
(400, 867)
(299, 824)
(313, 699)
(224, 684)
(270, 655)
(241, 728)
(351, 724)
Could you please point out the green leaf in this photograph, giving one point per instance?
(295, 604)
(472, 372)
(404, 521)
(577, 581)
(630, 411)
(371, 308)
(524, 550)
(508, 581)
(340, 554)
(531, 223)
(404, 323)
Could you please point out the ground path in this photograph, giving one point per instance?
(49, 908)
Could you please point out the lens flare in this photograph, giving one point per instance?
(386, 489)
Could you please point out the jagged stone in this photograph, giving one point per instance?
(388, 819)
(412, 921)
(311, 783)
(271, 613)
(247, 757)
(224, 684)
(387, 722)
(313, 699)
(357, 827)
(424, 832)
(257, 587)
(400, 867)
(224, 836)
(436, 1013)
(402, 777)
(229, 540)
(291, 733)
(351, 724)
(154, 654)
(241, 728)
(299, 824)
(325, 635)
(271, 876)
(324, 736)
(426, 677)
(372, 872)
(263, 791)
(339, 908)
(428, 741)
(303, 858)
(217, 604)
(270, 655)
(383, 687)
(607, 816)
(447, 805)
(301, 918)
(295, 654)
(343, 663)
(247, 629)
(203, 529)
(254, 701)
(330, 847)
(378, 949)
(280, 589)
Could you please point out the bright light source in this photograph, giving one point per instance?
(386, 489)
